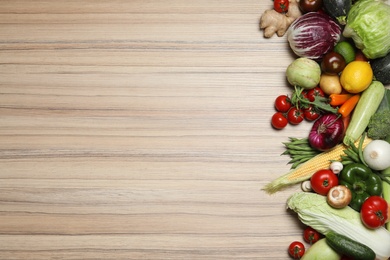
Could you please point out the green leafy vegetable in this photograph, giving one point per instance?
(314, 211)
(368, 23)
(379, 124)
(319, 102)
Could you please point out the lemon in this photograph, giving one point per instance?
(356, 76)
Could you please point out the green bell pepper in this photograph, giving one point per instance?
(362, 182)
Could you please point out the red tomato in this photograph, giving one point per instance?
(323, 180)
(310, 5)
(282, 103)
(360, 56)
(279, 121)
(295, 116)
(310, 113)
(314, 92)
(333, 63)
(374, 212)
(311, 235)
(296, 250)
(281, 6)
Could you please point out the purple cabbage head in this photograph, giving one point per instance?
(313, 34)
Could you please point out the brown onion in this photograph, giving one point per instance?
(326, 132)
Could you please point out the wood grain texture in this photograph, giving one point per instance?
(140, 130)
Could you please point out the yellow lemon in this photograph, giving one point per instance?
(356, 76)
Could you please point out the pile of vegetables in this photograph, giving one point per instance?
(339, 83)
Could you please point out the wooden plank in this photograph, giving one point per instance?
(140, 130)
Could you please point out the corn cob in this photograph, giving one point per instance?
(307, 169)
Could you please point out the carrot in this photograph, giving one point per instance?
(346, 120)
(349, 105)
(338, 99)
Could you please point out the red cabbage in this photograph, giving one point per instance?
(313, 34)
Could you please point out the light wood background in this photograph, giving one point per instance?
(141, 130)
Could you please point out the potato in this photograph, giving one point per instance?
(330, 84)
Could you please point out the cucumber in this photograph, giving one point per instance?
(367, 105)
(338, 9)
(381, 69)
(347, 246)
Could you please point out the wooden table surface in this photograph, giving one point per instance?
(141, 130)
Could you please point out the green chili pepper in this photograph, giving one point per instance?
(362, 182)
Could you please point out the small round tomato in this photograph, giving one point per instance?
(295, 116)
(323, 180)
(333, 63)
(282, 103)
(310, 5)
(315, 92)
(311, 235)
(279, 121)
(281, 6)
(360, 56)
(296, 250)
(374, 212)
(311, 113)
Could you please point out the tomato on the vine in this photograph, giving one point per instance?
(323, 180)
(281, 6)
(310, 113)
(282, 103)
(296, 250)
(279, 121)
(311, 235)
(314, 92)
(374, 212)
(295, 116)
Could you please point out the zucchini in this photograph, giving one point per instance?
(367, 105)
(349, 247)
(381, 69)
(338, 9)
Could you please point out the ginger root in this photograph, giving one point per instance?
(273, 22)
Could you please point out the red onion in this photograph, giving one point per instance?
(326, 132)
(313, 34)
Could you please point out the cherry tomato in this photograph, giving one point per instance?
(295, 116)
(282, 103)
(314, 92)
(310, 113)
(360, 56)
(374, 212)
(310, 5)
(323, 180)
(279, 121)
(333, 63)
(311, 235)
(281, 6)
(296, 249)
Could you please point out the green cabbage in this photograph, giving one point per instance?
(368, 23)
